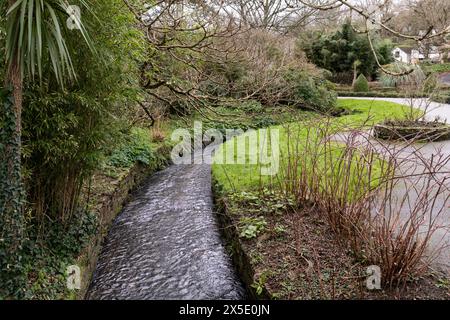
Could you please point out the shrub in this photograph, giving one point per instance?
(436, 68)
(337, 52)
(342, 77)
(136, 148)
(361, 84)
(67, 133)
(251, 106)
(415, 78)
(46, 259)
(441, 97)
(273, 74)
(308, 91)
(430, 84)
(353, 185)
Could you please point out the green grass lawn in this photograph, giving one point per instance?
(363, 113)
(437, 68)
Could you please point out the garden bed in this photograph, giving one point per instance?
(295, 255)
(412, 130)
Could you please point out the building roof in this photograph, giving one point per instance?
(406, 49)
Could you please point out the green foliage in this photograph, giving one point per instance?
(250, 114)
(36, 35)
(11, 201)
(310, 91)
(48, 258)
(251, 227)
(383, 48)
(251, 106)
(361, 84)
(67, 240)
(384, 94)
(414, 78)
(265, 202)
(259, 285)
(68, 133)
(338, 52)
(137, 147)
(436, 68)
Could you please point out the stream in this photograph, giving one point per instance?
(166, 243)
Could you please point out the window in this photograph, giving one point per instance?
(397, 54)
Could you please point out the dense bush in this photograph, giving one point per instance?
(361, 84)
(345, 77)
(338, 52)
(309, 91)
(136, 147)
(46, 258)
(273, 72)
(67, 132)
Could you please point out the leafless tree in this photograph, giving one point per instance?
(202, 54)
(277, 15)
(184, 37)
(420, 16)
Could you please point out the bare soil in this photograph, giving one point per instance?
(297, 256)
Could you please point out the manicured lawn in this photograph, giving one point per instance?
(241, 177)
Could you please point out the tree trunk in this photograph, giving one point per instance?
(13, 143)
(11, 187)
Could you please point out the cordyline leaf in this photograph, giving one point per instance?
(36, 32)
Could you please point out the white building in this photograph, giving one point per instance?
(413, 55)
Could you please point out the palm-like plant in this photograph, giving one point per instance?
(36, 30)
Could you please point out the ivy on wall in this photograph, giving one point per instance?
(11, 201)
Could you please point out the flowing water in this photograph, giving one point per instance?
(166, 243)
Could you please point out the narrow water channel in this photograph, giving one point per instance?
(166, 243)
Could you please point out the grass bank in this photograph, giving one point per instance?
(360, 113)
